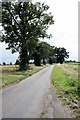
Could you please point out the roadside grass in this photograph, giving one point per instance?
(8, 68)
(65, 79)
(11, 75)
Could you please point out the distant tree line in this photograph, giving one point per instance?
(4, 63)
(45, 53)
(42, 62)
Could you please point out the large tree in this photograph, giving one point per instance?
(42, 52)
(24, 23)
(60, 54)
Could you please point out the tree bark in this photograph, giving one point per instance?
(37, 59)
(23, 59)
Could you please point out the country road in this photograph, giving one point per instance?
(31, 98)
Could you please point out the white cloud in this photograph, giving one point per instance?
(65, 29)
(6, 55)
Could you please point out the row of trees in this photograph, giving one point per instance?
(45, 53)
(4, 63)
(24, 23)
(50, 54)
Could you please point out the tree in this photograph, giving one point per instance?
(17, 62)
(50, 60)
(4, 63)
(60, 54)
(24, 23)
(37, 58)
(10, 63)
(44, 50)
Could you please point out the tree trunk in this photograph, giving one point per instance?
(37, 59)
(23, 59)
(44, 62)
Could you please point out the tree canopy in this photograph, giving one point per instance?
(60, 54)
(49, 54)
(43, 50)
(24, 23)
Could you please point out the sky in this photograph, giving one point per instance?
(64, 30)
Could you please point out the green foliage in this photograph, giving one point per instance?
(65, 80)
(44, 51)
(66, 84)
(17, 62)
(37, 58)
(49, 53)
(10, 63)
(24, 23)
(78, 90)
(60, 54)
(44, 62)
(4, 63)
(50, 60)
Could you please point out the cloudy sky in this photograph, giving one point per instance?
(64, 30)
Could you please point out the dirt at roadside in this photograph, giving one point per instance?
(53, 107)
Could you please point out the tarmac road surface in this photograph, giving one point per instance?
(31, 98)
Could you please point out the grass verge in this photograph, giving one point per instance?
(65, 79)
(11, 75)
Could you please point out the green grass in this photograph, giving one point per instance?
(11, 76)
(65, 79)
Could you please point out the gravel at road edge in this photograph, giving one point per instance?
(52, 106)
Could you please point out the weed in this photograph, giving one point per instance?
(64, 78)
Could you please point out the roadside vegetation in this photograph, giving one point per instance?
(11, 75)
(65, 79)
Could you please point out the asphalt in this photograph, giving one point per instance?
(33, 97)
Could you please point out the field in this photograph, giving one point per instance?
(65, 78)
(9, 74)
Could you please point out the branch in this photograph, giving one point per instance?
(14, 21)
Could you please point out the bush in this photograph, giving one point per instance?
(4, 63)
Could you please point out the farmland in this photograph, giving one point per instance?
(9, 74)
(65, 78)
